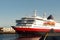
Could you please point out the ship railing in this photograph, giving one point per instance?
(24, 26)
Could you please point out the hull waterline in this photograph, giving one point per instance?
(34, 31)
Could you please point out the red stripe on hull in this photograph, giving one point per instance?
(32, 29)
(56, 30)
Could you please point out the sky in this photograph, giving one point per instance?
(12, 10)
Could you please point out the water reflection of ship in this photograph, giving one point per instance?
(35, 38)
(28, 38)
(38, 38)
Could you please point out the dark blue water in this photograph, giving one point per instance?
(17, 37)
(53, 38)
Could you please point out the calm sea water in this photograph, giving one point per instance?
(17, 37)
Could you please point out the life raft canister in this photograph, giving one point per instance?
(49, 23)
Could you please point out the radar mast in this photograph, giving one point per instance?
(35, 13)
(44, 15)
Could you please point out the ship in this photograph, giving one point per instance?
(36, 25)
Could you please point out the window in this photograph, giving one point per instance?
(30, 21)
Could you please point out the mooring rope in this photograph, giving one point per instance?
(45, 36)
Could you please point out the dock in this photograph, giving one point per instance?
(4, 30)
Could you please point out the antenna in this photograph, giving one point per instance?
(35, 13)
(44, 14)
